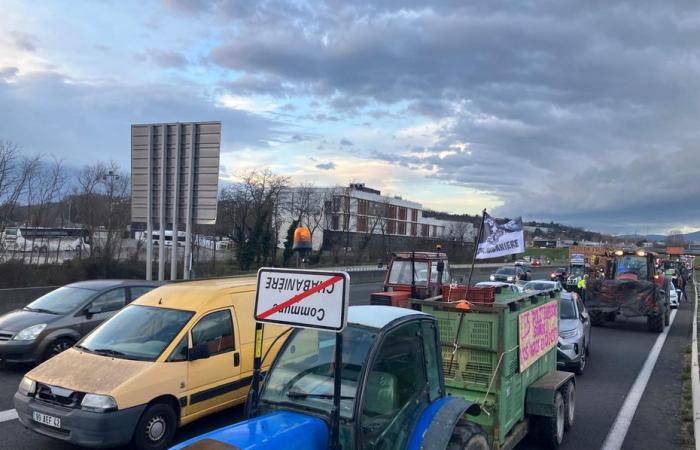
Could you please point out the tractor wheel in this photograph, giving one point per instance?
(597, 318)
(551, 429)
(569, 393)
(655, 323)
(468, 436)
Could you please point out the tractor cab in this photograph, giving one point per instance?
(417, 275)
(390, 377)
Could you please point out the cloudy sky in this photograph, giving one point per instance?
(581, 112)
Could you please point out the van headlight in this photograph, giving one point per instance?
(30, 333)
(27, 387)
(98, 403)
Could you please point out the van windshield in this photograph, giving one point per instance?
(137, 332)
(61, 301)
(303, 372)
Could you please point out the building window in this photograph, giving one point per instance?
(414, 215)
(402, 213)
(402, 228)
(425, 230)
(362, 224)
(336, 203)
(391, 227)
(346, 222)
(335, 222)
(362, 207)
(414, 229)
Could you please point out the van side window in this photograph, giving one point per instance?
(110, 301)
(180, 352)
(216, 330)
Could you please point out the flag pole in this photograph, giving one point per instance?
(476, 247)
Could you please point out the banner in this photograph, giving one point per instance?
(501, 240)
(538, 331)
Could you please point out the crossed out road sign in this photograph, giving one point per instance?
(303, 298)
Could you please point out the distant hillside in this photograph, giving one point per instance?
(688, 237)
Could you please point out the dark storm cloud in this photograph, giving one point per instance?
(555, 99)
(82, 123)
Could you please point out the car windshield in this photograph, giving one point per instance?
(566, 308)
(506, 271)
(61, 301)
(577, 270)
(631, 264)
(137, 332)
(537, 286)
(303, 372)
(401, 272)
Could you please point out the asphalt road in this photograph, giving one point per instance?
(618, 352)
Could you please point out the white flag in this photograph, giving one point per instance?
(501, 240)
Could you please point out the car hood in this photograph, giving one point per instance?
(20, 319)
(86, 372)
(568, 324)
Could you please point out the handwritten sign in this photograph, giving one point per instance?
(538, 332)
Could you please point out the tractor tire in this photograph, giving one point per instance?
(569, 394)
(550, 430)
(468, 436)
(597, 318)
(655, 323)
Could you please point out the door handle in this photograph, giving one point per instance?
(236, 359)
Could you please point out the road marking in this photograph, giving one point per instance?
(10, 414)
(616, 435)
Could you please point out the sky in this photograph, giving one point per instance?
(586, 113)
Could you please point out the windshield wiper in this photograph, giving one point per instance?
(300, 394)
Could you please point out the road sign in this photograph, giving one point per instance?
(174, 180)
(303, 298)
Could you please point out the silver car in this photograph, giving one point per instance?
(574, 333)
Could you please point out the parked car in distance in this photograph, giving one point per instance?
(535, 262)
(559, 274)
(179, 353)
(574, 333)
(510, 274)
(55, 321)
(541, 285)
(504, 287)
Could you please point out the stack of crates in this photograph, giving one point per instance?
(483, 367)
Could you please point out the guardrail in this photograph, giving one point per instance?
(695, 369)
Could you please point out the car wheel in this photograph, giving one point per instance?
(58, 346)
(156, 428)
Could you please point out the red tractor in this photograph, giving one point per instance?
(417, 275)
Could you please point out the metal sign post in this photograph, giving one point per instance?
(306, 299)
(174, 165)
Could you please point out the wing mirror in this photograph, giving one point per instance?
(199, 351)
(92, 310)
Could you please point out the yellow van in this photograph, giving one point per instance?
(178, 353)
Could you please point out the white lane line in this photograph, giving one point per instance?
(616, 435)
(10, 414)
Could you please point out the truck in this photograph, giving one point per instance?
(469, 374)
(631, 287)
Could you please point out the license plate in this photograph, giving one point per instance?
(47, 420)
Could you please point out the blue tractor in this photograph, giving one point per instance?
(392, 392)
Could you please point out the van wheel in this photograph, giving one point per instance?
(468, 436)
(156, 428)
(58, 346)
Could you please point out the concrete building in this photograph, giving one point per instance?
(358, 209)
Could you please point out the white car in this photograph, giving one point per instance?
(508, 287)
(673, 297)
(541, 285)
